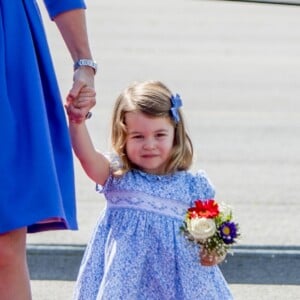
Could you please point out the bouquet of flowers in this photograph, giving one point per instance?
(210, 225)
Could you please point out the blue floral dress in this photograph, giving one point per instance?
(137, 251)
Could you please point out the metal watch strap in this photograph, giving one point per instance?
(87, 63)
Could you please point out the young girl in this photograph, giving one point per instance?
(137, 251)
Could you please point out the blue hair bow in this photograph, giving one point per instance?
(175, 104)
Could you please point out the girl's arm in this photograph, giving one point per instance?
(94, 163)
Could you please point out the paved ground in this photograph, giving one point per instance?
(58, 290)
(237, 67)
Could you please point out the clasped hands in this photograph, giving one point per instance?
(81, 97)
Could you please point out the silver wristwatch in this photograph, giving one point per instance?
(87, 63)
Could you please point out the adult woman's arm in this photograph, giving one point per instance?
(72, 25)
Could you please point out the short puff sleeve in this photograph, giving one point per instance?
(201, 187)
(115, 164)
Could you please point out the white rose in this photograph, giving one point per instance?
(201, 228)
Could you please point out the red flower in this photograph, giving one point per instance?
(204, 209)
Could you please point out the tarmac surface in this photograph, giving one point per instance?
(236, 66)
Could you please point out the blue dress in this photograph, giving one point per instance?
(36, 168)
(137, 252)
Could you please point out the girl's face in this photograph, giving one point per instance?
(149, 141)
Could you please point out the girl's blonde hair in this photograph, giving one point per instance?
(153, 99)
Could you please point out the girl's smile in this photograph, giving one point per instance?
(149, 141)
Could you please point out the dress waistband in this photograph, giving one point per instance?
(143, 201)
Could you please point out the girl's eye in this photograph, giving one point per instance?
(160, 135)
(137, 137)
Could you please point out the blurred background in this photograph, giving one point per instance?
(236, 66)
